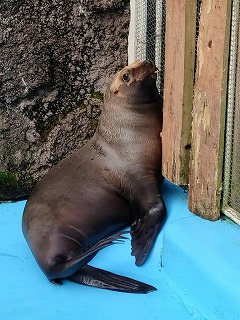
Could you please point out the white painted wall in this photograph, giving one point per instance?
(132, 32)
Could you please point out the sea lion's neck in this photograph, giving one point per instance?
(123, 123)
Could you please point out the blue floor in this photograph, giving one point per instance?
(195, 265)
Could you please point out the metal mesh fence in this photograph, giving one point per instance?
(150, 34)
(231, 181)
(198, 14)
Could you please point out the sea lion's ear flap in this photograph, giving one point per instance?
(110, 90)
(114, 87)
(118, 94)
(116, 84)
(115, 90)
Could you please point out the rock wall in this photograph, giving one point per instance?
(56, 60)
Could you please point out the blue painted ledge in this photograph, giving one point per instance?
(201, 260)
(194, 265)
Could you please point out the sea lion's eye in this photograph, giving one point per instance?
(126, 76)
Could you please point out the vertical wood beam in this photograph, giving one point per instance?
(178, 88)
(209, 109)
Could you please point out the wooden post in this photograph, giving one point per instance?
(209, 109)
(178, 88)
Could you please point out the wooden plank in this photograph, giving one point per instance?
(178, 89)
(209, 109)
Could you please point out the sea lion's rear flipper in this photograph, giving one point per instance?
(106, 280)
(145, 229)
(63, 269)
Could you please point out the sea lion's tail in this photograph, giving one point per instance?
(106, 280)
(63, 268)
(77, 270)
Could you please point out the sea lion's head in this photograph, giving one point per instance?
(136, 83)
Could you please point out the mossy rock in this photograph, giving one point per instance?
(11, 187)
(94, 123)
(8, 180)
(97, 95)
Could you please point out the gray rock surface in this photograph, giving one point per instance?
(56, 58)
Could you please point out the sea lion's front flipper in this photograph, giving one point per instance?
(106, 280)
(145, 229)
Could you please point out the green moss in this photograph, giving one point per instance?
(8, 181)
(45, 127)
(81, 104)
(47, 117)
(44, 123)
(97, 95)
(94, 123)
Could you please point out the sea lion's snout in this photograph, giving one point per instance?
(152, 68)
(148, 63)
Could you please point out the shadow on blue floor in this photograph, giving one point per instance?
(27, 294)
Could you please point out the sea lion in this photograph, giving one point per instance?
(111, 182)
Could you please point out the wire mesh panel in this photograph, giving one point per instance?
(231, 182)
(198, 15)
(150, 33)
